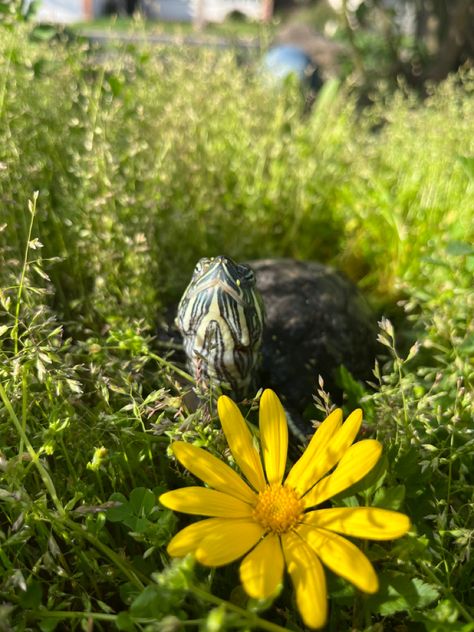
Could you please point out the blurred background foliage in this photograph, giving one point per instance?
(419, 40)
(131, 157)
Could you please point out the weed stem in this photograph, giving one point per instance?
(45, 477)
(252, 618)
(447, 593)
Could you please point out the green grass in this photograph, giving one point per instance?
(139, 173)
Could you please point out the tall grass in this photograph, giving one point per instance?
(158, 158)
(143, 160)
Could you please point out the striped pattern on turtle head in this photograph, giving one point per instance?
(220, 317)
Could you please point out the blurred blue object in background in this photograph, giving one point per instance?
(281, 61)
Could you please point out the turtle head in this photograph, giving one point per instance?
(220, 317)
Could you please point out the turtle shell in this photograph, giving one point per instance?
(315, 321)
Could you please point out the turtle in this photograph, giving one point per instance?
(277, 323)
(220, 317)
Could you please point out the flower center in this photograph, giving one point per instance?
(278, 508)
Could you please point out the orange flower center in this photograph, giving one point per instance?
(278, 508)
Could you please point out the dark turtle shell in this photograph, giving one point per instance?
(316, 320)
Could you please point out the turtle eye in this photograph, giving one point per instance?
(247, 276)
(201, 266)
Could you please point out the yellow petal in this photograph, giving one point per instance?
(332, 450)
(342, 557)
(273, 435)
(212, 471)
(188, 539)
(354, 465)
(261, 571)
(370, 523)
(311, 466)
(205, 502)
(230, 541)
(241, 442)
(308, 579)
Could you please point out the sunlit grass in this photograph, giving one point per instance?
(143, 161)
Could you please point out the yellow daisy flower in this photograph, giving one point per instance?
(275, 522)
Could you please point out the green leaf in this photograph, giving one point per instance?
(148, 603)
(139, 525)
(124, 622)
(128, 592)
(411, 547)
(216, 619)
(32, 597)
(134, 512)
(398, 593)
(389, 498)
(142, 501)
(120, 513)
(349, 501)
(408, 466)
(48, 624)
(118, 497)
(443, 618)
